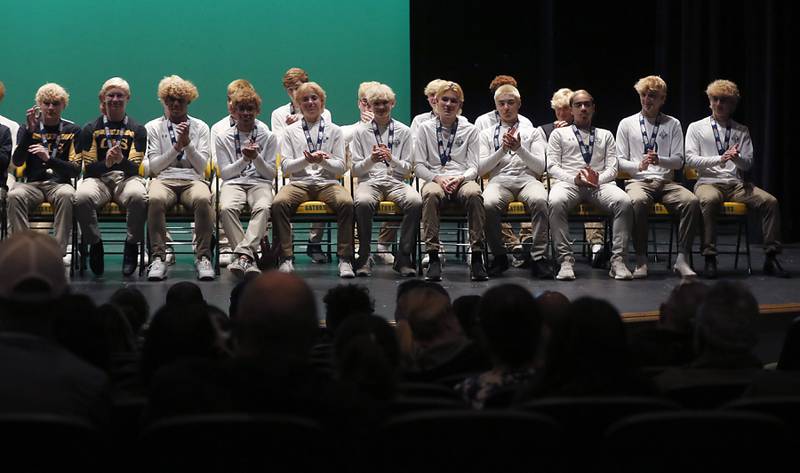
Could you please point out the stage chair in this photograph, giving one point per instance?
(732, 213)
(724, 441)
(785, 408)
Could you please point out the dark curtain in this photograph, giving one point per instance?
(606, 47)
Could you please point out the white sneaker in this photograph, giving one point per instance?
(287, 266)
(158, 270)
(226, 257)
(170, 256)
(205, 271)
(619, 271)
(384, 254)
(682, 267)
(346, 269)
(566, 273)
(67, 259)
(640, 272)
(240, 266)
(426, 257)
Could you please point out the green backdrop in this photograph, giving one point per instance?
(80, 44)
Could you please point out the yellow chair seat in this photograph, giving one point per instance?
(659, 210)
(387, 207)
(314, 207)
(516, 208)
(111, 209)
(43, 209)
(734, 208)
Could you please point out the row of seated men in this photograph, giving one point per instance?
(441, 148)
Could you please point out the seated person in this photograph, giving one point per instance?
(312, 156)
(177, 155)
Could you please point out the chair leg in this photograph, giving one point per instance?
(673, 234)
(738, 244)
(747, 248)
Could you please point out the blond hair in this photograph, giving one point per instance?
(580, 91)
(237, 85)
(500, 81)
(293, 76)
(364, 87)
(447, 86)
(178, 87)
(246, 96)
(561, 98)
(723, 88)
(433, 86)
(309, 87)
(507, 89)
(114, 83)
(52, 92)
(380, 92)
(654, 83)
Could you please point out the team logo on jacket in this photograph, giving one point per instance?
(459, 141)
(663, 134)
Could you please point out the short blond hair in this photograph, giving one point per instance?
(309, 87)
(178, 87)
(580, 91)
(507, 89)
(561, 98)
(723, 88)
(237, 85)
(433, 86)
(52, 92)
(381, 92)
(114, 83)
(293, 76)
(654, 83)
(364, 87)
(246, 96)
(448, 86)
(2, 91)
(500, 81)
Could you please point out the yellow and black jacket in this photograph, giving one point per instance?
(95, 145)
(65, 165)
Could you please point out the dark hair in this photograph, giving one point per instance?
(134, 305)
(727, 319)
(367, 354)
(79, 328)
(678, 312)
(345, 300)
(177, 332)
(511, 324)
(236, 297)
(466, 310)
(790, 352)
(185, 293)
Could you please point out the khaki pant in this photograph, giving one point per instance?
(129, 193)
(676, 198)
(496, 198)
(369, 194)
(609, 198)
(164, 194)
(711, 197)
(467, 195)
(26, 196)
(293, 194)
(233, 198)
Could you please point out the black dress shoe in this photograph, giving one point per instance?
(477, 270)
(97, 258)
(130, 258)
(773, 267)
(434, 272)
(542, 269)
(83, 256)
(498, 265)
(711, 267)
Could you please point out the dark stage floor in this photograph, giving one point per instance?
(637, 300)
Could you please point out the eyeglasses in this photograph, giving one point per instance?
(586, 104)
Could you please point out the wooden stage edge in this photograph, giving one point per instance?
(764, 309)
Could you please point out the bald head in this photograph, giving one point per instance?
(277, 314)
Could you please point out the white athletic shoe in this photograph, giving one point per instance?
(170, 256)
(682, 267)
(640, 272)
(384, 254)
(240, 266)
(158, 270)
(619, 271)
(566, 273)
(346, 269)
(205, 271)
(226, 257)
(287, 266)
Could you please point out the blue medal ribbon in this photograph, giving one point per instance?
(586, 151)
(651, 143)
(320, 135)
(377, 134)
(721, 147)
(43, 136)
(444, 152)
(172, 137)
(238, 146)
